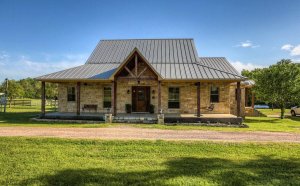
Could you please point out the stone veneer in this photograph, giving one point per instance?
(92, 93)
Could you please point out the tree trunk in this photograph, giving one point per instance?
(282, 110)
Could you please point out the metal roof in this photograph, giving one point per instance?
(171, 58)
(154, 50)
(192, 71)
(87, 71)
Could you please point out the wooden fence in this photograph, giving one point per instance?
(20, 102)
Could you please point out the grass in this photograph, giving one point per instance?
(266, 112)
(20, 116)
(50, 161)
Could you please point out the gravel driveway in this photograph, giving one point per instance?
(128, 132)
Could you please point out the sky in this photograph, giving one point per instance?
(39, 36)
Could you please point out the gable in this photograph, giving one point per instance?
(135, 66)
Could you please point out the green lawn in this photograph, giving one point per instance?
(21, 117)
(254, 123)
(266, 112)
(45, 161)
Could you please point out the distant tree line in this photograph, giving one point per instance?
(278, 84)
(28, 88)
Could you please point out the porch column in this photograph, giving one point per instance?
(198, 99)
(246, 97)
(253, 100)
(238, 101)
(43, 97)
(159, 98)
(78, 99)
(114, 98)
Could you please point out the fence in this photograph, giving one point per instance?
(20, 102)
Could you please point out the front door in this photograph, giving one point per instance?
(140, 99)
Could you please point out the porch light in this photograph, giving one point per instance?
(153, 91)
(128, 91)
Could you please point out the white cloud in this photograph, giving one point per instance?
(247, 44)
(287, 47)
(239, 66)
(17, 67)
(296, 51)
(3, 56)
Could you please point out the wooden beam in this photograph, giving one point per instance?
(144, 70)
(136, 64)
(246, 97)
(238, 101)
(198, 99)
(159, 98)
(78, 99)
(114, 98)
(129, 72)
(43, 97)
(142, 78)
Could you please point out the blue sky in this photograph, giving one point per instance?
(38, 37)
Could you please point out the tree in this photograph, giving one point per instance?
(14, 90)
(278, 84)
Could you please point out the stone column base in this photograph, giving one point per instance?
(108, 118)
(161, 119)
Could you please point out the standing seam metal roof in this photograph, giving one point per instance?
(171, 58)
(154, 50)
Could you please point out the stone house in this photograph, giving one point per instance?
(155, 76)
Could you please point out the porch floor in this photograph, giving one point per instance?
(138, 115)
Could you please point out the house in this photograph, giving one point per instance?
(149, 76)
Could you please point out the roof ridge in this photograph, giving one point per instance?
(220, 70)
(147, 39)
(211, 57)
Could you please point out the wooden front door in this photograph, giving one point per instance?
(140, 99)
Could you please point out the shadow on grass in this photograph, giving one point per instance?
(264, 120)
(295, 118)
(19, 117)
(264, 170)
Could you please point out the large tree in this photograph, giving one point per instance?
(278, 84)
(28, 88)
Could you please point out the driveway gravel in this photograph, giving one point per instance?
(133, 133)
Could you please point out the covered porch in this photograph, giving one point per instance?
(147, 117)
(137, 83)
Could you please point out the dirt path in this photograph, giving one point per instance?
(128, 132)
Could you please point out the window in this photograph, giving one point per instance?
(214, 94)
(107, 97)
(173, 101)
(71, 93)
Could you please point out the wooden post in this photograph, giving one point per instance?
(253, 100)
(114, 98)
(238, 101)
(159, 98)
(136, 64)
(198, 99)
(78, 99)
(43, 97)
(246, 97)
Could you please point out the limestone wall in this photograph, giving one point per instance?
(188, 98)
(123, 97)
(92, 93)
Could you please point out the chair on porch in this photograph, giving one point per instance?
(211, 107)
